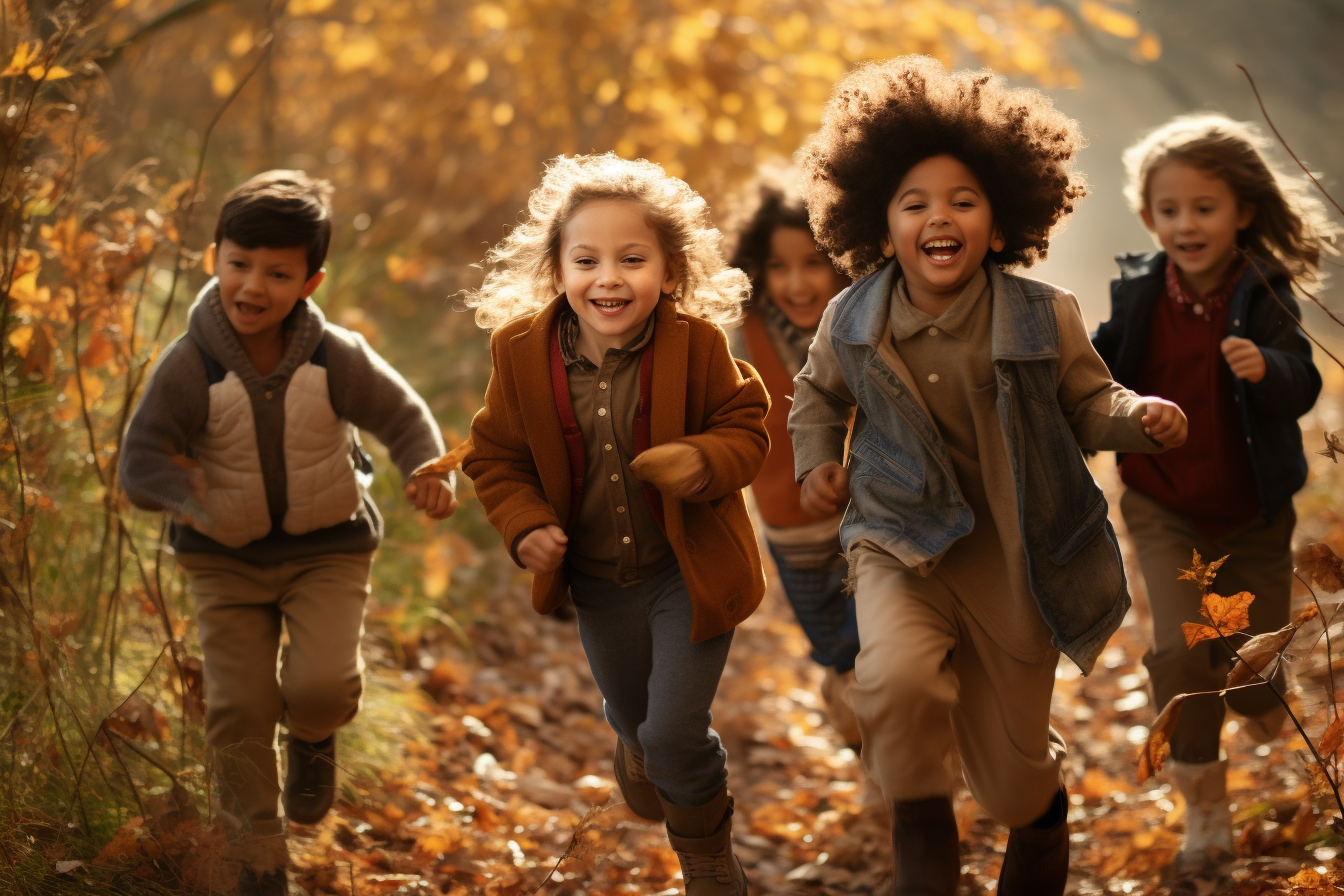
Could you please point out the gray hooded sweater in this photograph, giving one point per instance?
(286, 476)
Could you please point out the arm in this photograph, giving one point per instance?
(733, 440)
(368, 392)
(1291, 381)
(500, 462)
(172, 410)
(822, 405)
(1103, 415)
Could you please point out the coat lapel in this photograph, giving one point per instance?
(531, 353)
(671, 344)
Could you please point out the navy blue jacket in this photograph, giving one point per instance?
(1269, 408)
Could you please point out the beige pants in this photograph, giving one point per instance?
(929, 679)
(314, 690)
(1260, 560)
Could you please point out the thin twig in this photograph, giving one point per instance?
(1284, 143)
(1287, 311)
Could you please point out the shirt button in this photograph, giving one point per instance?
(933, 377)
(625, 540)
(601, 412)
(933, 331)
(607, 446)
(614, 477)
(268, 394)
(621, 509)
(602, 386)
(1236, 323)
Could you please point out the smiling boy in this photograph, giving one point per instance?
(247, 436)
(976, 536)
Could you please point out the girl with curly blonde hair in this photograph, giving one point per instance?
(616, 438)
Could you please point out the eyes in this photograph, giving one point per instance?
(240, 266)
(587, 261)
(1170, 211)
(918, 205)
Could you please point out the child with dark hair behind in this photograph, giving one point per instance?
(976, 535)
(247, 435)
(791, 282)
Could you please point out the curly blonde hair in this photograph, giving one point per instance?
(1291, 228)
(521, 268)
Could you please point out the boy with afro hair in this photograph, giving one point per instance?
(977, 538)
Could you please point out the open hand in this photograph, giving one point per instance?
(433, 494)
(677, 468)
(542, 550)
(1245, 358)
(826, 490)
(1164, 422)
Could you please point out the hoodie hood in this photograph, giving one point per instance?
(210, 328)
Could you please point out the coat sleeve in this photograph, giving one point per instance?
(172, 411)
(823, 405)
(1291, 382)
(500, 463)
(1110, 334)
(733, 439)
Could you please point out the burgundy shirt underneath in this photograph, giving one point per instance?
(1208, 479)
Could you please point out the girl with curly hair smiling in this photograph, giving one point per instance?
(1210, 321)
(976, 536)
(609, 367)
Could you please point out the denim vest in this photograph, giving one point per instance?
(905, 496)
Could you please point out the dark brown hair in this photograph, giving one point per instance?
(1291, 227)
(884, 118)
(279, 209)
(772, 201)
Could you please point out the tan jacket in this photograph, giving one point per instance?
(701, 396)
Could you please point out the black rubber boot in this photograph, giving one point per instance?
(1036, 861)
(928, 849)
(310, 780)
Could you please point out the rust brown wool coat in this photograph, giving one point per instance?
(701, 396)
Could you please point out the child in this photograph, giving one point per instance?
(792, 280)
(607, 367)
(975, 532)
(246, 434)
(1196, 323)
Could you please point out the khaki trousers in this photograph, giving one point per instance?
(249, 688)
(1260, 560)
(928, 679)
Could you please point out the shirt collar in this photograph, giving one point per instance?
(907, 320)
(569, 339)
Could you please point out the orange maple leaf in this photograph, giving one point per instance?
(1195, 632)
(1158, 747)
(1228, 614)
(1201, 573)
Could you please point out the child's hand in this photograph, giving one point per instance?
(676, 468)
(1165, 422)
(433, 494)
(826, 490)
(541, 550)
(1245, 358)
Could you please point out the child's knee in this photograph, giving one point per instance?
(891, 688)
(316, 703)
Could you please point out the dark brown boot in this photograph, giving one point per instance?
(1036, 860)
(639, 793)
(928, 848)
(702, 838)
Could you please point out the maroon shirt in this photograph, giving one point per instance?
(1208, 479)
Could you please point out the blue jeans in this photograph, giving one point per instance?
(656, 684)
(824, 611)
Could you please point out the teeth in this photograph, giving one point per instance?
(941, 244)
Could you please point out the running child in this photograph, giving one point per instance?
(1210, 322)
(975, 532)
(616, 438)
(247, 434)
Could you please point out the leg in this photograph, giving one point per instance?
(824, 612)
(903, 694)
(239, 624)
(614, 630)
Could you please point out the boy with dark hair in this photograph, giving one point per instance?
(247, 436)
(976, 536)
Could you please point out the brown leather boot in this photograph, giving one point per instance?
(928, 847)
(702, 839)
(639, 793)
(1036, 860)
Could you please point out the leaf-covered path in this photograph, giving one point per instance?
(509, 768)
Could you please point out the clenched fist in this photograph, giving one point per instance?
(542, 550)
(1165, 422)
(825, 490)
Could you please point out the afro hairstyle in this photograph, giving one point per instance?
(884, 118)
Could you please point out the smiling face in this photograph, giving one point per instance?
(259, 287)
(799, 278)
(1196, 218)
(939, 227)
(613, 271)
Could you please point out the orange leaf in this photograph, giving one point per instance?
(1158, 747)
(1319, 563)
(1333, 737)
(446, 464)
(1195, 632)
(1228, 614)
(1310, 612)
(1201, 573)
(1257, 653)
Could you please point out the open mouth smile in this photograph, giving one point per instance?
(942, 250)
(609, 307)
(247, 309)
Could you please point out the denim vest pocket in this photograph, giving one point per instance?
(1083, 532)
